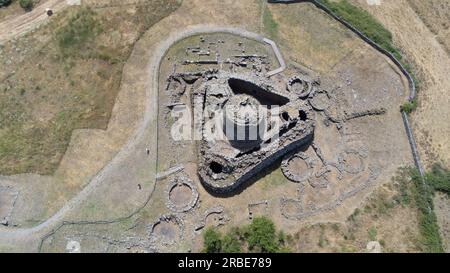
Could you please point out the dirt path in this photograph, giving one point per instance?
(16, 26)
(430, 120)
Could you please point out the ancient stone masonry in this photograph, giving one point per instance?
(320, 100)
(297, 209)
(235, 141)
(305, 127)
(326, 180)
(217, 211)
(351, 161)
(306, 171)
(253, 207)
(300, 86)
(169, 172)
(104, 243)
(167, 230)
(181, 193)
(227, 163)
(370, 112)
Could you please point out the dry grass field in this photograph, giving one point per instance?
(68, 80)
(436, 15)
(421, 30)
(430, 61)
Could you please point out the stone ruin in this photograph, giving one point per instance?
(245, 121)
(236, 140)
(167, 230)
(218, 215)
(181, 193)
(226, 163)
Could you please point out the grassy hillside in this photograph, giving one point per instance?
(65, 76)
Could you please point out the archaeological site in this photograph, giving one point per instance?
(154, 126)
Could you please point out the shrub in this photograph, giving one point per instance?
(409, 106)
(261, 235)
(231, 244)
(373, 234)
(4, 3)
(26, 4)
(212, 241)
(439, 178)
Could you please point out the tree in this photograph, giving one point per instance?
(4, 3)
(26, 4)
(261, 235)
(212, 241)
(231, 244)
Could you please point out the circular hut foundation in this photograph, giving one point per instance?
(320, 100)
(182, 195)
(167, 230)
(299, 86)
(297, 167)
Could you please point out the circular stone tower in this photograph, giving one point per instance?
(244, 122)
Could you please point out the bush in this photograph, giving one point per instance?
(261, 235)
(212, 241)
(409, 106)
(373, 233)
(439, 178)
(4, 3)
(26, 4)
(231, 244)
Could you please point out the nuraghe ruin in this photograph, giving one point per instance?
(245, 121)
